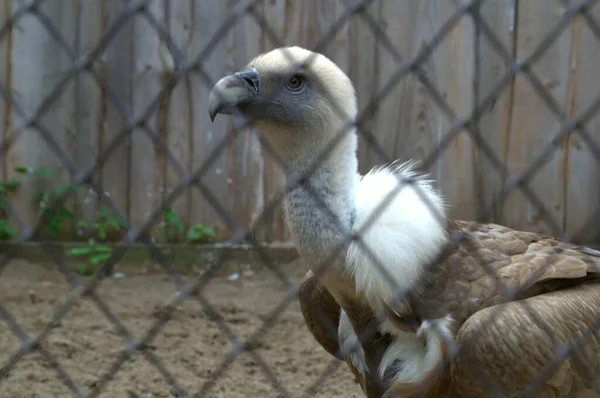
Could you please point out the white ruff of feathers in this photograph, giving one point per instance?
(402, 225)
(404, 233)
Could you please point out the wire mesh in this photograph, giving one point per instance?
(184, 65)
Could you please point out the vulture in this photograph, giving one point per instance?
(452, 308)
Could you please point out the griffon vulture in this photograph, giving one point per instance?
(454, 294)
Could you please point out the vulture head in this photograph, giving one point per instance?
(294, 96)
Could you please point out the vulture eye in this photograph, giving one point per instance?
(295, 83)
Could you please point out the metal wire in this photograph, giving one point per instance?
(84, 64)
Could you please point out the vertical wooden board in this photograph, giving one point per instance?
(362, 70)
(88, 105)
(208, 17)
(246, 163)
(180, 108)
(450, 69)
(533, 125)
(419, 114)
(582, 184)
(119, 67)
(252, 167)
(146, 170)
(266, 170)
(328, 13)
(494, 124)
(59, 120)
(392, 122)
(5, 70)
(38, 64)
(456, 76)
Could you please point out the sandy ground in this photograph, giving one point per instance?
(190, 345)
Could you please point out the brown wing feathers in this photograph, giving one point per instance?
(556, 280)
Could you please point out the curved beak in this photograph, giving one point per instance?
(232, 91)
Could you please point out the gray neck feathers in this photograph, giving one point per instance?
(315, 233)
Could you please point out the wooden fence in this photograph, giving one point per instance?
(408, 124)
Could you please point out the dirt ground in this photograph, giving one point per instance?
(190, 345)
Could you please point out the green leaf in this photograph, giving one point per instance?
(113, 223)
(103, 249)
(170, 216)
(63, 188)
(104, 213)
(12, 184)
(55, 226)
(41, 172)
(200, 232)
(6, 230)
(40, 196)
(99, 258)
(79, 251)
(102, 233)
(65, 213)
(37, 171)
(81, 224)
(193, 234)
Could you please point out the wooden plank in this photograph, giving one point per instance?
(144, 195)
(180, 108)
(532, 125)
(362, 50)
(88, 105)
(392, 122)
(282, 17)
(207, 18)
(246, 161)
(582, 183)
(450, 69)
(119, 67)
(5, 71)
(494, 124)
(38, 64)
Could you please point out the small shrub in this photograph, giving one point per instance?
(91, 256)
(201, 233)
(174, 228)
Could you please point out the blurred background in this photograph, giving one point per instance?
(134, 64)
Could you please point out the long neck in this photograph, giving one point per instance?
(332, 183)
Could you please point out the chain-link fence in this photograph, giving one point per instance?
(195, 290)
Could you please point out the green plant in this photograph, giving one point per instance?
(36, 171)
(7, 232)
(174, 228)
(6, 188)
(200, 233)
(91, 256)
(105, 224)
(102, 227)
(53, 218)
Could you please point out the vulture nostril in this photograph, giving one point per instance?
(251, 83)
